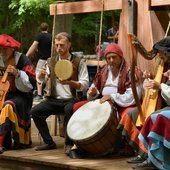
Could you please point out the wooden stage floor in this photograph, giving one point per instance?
(57, 159)
(29, 159)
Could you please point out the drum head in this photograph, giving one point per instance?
(63, 69)
(88, 120)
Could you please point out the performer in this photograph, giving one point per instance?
(155, 136)
(64, 93)
(128, 122)
(112, 83)
(15, 119)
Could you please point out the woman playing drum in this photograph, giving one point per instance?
(112, 83)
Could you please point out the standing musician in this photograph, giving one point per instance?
(15, 112)
(128, 123)
(63, 93)
(112, 83)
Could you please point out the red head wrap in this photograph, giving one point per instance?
(113, 48)
(8, 41)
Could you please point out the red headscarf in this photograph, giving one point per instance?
(114, 48)
(8, 41)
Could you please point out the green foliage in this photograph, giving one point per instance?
(33, 7)
(86, 29)
(30, 10)
(16, 12)
(21, 19)
(88, 24)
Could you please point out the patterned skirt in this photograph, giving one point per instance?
(156, 138)
(15, 121)
(128, 129)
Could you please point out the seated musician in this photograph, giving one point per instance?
(155, 134)
(112, 83)
(128, 122)
(16, 100)
(64, 93)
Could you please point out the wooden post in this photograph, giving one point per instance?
(132, 16)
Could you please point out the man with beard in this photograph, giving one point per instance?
(63, 92)
(15, 111)
(112, 83)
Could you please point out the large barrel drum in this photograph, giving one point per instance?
(92, 128)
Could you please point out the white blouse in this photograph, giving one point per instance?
(22, 82)
(165, 93)
(111, 87)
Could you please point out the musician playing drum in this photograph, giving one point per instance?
(128, 123)
(16, 100)
(63, 93)
(112, 83)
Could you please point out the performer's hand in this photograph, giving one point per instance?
(92, 91)
(42, 72)
(167, 74)
(105, 98)
(72, 83)
(146, 74)
(11, 69)
(64, 81)
(152, 84)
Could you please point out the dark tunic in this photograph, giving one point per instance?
(15, 114)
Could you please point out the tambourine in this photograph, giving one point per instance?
(63, 69)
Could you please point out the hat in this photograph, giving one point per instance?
(163, 45)
(8, 41)
(113, 48)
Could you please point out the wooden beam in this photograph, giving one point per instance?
(160, 2)
(85, 7)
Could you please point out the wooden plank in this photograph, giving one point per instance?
(131, 12)
(145, 35)
(95, 62)
(160, 2)
(123, 30)
(85, 7)
(56, 159)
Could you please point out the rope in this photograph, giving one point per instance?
(100, 34)
(167, 30)
(53, 31)
(52, 60)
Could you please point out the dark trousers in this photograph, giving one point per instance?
(52, 106)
